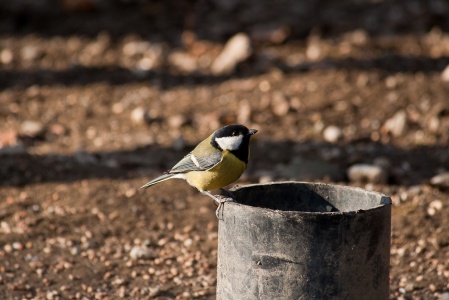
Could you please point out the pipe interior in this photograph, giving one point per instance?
(309, 197)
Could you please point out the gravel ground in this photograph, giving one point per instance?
(97, 97)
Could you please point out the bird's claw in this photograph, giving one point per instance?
(221, 200)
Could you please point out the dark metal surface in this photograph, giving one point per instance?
(304, 241)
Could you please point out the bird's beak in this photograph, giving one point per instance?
(252, 131)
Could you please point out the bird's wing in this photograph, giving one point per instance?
(191, 162)
(162, 178)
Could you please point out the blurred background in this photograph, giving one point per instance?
(97, 97)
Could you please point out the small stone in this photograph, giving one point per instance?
(437, 204)
(332, 134)
(183, 61)
(57, 129)
(313, 51)
(75, 250)
(6, 56)
(130, 192)
(139, 252)
(138, 115)
(431, 211)
(176, 121)
(188, 242)
(264, 86)
(367, 173)
(174, 271)
(265, 179)
(132, 48)
(17, 245)
(32, 128)
(52, 295)
(8, 138)
(244, 113)
(154, 291)
(279, 104)
(440, 180)
(409, 287)
(391, 82)
(397, 124)
(236, 50)
(445, 74)
(8, 248)
(29, 53)
(358, 37)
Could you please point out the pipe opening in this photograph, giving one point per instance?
(306, 197)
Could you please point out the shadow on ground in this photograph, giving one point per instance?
(413, 164)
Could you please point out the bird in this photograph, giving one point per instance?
(214, 163)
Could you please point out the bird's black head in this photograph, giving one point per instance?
(234, 138)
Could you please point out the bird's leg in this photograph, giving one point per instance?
(220, 201)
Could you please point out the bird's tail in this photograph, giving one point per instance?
(162, 178)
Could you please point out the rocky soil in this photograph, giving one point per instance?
(98, 97)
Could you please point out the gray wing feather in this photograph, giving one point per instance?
(157, 180)
(196, 163)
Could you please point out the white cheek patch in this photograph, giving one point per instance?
(230, 142)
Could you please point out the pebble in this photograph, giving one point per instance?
(17, 246)
(29, 53)
(409, 287)
(183, 61)
(31, 128)
(138, 115)
(396, 125)
(188, 242)
(279, 104)
(440, 180)
(445, 74)
(313, 51)
(8, 248)
(367, 173)
(132, 48)
(139, 252)
(8, 138)
(332, 134)
(6, 56)
(244, 112)
(434, 206)
(57, 129)
(236, 50)
(178, 120)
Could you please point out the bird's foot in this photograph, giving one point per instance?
(220, 200)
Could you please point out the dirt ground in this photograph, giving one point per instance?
(98, 97)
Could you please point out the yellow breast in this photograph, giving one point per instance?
(226, 172)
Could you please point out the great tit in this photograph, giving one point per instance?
(216, 162)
